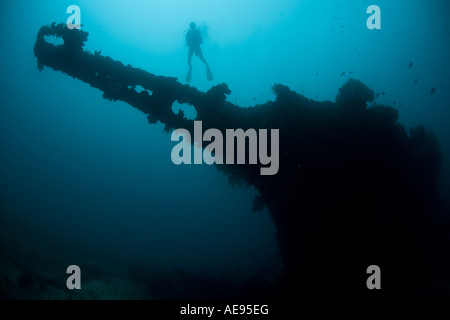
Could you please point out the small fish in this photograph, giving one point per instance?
(415, 81)
(342, 73)
(395, 103)
(410, 65)
(378, 94)
(350, 72)
(254, 98)
(383, 93)
(433, 90)
(317, 73)
(335, 18)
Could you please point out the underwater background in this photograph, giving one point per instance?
(89, 182)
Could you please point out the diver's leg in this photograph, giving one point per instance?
(204, 61)
(209, 74)
(202, 58)
(189, 74)
(190, 54)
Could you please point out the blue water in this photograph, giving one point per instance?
(93, 175)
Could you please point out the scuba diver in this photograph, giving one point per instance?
(194, 40)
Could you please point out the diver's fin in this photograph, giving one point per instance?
(209, 74)
(189, 75)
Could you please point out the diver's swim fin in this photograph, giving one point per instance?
(209, 74)
(189, 75)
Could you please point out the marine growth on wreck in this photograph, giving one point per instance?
(354, 187)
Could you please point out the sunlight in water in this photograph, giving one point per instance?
(162, 22)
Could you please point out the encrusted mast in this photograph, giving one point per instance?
(118, 81)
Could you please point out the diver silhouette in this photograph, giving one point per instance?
(194, 40)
